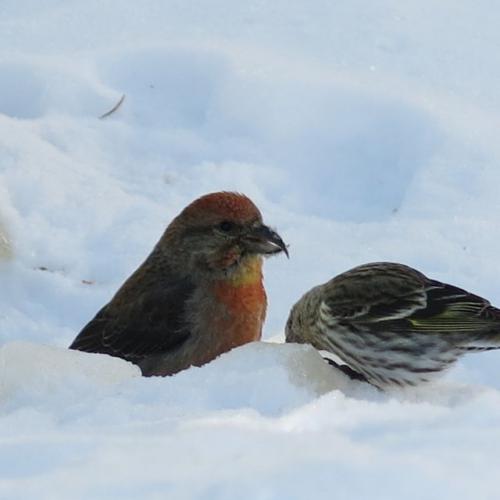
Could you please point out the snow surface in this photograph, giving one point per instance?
(363, 130)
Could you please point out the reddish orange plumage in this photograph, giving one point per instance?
(245, 300)
(222, 205)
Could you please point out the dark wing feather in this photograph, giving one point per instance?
(376, 292)
(452, 309)
(400, 299)
(143, 324)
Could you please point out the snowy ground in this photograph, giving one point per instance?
(363, 130)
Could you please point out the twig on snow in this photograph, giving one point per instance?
(113, 109)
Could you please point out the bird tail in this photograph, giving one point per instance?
(474, 348)
(487, 331)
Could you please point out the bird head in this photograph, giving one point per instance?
(219, 233)
(294, 327)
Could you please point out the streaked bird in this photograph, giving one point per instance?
(392, 325)
(198, 294)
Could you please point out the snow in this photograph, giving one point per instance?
(364, 131)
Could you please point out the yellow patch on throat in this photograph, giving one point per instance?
(248, 272)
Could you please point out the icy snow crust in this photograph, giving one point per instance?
(364, 131)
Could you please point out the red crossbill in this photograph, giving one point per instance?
(198, 294)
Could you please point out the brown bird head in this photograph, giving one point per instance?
(219, 233)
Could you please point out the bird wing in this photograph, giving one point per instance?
(452, 309)
(375, 292)
(401, 299)
(148, 323)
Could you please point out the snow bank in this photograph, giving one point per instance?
(38, 372)
(265, 420)
(238, 379)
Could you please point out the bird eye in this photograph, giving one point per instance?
(226, 226)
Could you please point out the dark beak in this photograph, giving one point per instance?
(264, 240)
